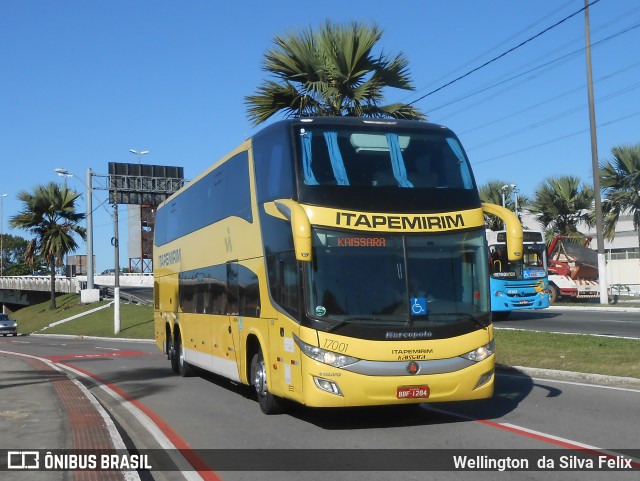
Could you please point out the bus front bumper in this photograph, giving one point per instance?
(331, 387)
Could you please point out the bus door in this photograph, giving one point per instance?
(285, 374)
(243, 309)
(230, 329)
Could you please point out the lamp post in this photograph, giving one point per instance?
(90, 267)
(507, 190)
(2, 235)
(139, 154)
(504, 189)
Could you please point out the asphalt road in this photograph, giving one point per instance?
(618, 321)
(527, 418)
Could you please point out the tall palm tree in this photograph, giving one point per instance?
(560, 203)
(620, 181)
(331, 72)
(49, 214)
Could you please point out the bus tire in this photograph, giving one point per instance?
(501, 315)
(269, 404)
(173, 355)
(184, 368)
(554, 295)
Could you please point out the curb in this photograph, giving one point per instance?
(570, 376)
(78, 336)
(608, 308)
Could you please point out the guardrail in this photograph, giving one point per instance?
(63, 285)
(68, 285)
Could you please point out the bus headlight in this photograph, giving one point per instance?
(321, 355)
(481, 353)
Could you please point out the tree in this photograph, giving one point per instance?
(332, 72)
(620, 182)
(491, 192)
(49, 215)
(13, 256)
(561, 203)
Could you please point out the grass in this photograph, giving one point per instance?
(136, 321)
(566, 352)
(569, 352)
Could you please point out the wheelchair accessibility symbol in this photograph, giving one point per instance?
(418, 306)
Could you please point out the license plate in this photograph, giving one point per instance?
(523, 303)
(413, 392)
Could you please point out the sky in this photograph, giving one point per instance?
(85, 81)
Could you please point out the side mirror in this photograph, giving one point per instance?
(300, 227)
(513, 228)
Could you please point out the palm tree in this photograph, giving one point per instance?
(560, 203)
(620, 181)
(332, 72)
(492, 192)
(49, 214)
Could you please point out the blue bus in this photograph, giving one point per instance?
(521, 284)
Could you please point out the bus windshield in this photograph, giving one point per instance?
(532, 266)
(381, 156)
(397, 280)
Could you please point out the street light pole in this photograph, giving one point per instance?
(90, 263)
(91, 296)
(2, 235)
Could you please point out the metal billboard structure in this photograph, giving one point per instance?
(143, 187)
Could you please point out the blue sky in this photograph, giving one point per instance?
(85, 81)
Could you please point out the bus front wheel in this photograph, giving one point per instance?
(554, 295)
(269, 404)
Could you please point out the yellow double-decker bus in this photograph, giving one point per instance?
(332, 262)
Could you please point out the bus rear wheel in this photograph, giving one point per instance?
(269, 404)
(173, 355)
(178, 362)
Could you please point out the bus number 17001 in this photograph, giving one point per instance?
(336, 346)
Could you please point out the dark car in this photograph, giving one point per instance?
(8, 325)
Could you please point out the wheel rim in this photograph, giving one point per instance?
(181, 356)
(260, 378)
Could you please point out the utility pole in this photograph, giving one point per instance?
(116, 285)
(2, 235)
(602, 265)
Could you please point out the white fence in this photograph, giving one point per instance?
(624, 272)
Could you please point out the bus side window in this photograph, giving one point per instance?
(248, 293)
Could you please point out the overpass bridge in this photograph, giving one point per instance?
(26, 290)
